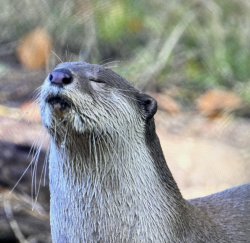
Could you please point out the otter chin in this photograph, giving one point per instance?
(109, 181)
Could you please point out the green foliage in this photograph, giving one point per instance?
(192, 44)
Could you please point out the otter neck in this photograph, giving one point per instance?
(113, 191)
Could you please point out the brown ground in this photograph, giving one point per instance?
(205, 156)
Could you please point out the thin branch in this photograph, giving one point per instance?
(162, 58)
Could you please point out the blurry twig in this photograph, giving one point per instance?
(13, 223)
(91, 43)
(160, 62)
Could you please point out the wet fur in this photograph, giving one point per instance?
(109, 181)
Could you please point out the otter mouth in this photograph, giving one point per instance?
(58, 102)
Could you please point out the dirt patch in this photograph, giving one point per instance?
(205, 156)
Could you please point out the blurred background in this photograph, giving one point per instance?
(192, 56)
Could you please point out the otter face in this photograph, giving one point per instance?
(88, 98)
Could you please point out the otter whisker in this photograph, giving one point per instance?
(33, 178)
(21, 177)
(37, 94)
(34, 172)
(33, 152)
(106, 63)
(46, 165)
(40, 181)
(54, 53)
(33, 148)
(64, 144)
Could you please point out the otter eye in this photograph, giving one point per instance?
(96, 80)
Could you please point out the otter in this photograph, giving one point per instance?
(109, 181)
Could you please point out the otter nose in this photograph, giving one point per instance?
(60, 77)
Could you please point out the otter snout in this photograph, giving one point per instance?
(61, 77)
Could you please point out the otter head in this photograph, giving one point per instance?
(82, 98)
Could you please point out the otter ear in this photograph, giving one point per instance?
(149, 105)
